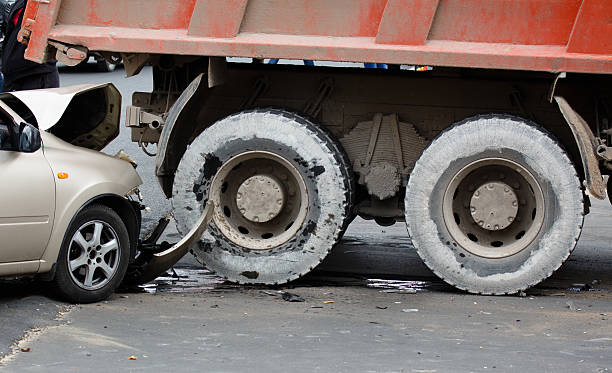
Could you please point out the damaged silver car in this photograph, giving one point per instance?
(68, 212)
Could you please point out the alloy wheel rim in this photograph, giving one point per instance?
(93, 256)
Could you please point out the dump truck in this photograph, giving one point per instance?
(490, 156)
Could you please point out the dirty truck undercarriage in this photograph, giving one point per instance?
(482, 165)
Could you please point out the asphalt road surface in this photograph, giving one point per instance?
(353, 318)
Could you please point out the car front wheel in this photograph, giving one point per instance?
(94, 256)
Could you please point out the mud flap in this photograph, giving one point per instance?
(161, 262)
(587, 143)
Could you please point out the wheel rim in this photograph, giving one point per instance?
(493, 208)
(261, 200)
(93, 256)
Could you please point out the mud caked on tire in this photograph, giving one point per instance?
(494, 205)
(282, 189)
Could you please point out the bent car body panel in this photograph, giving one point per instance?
(89, 174)
(161, 262)
(86, 115)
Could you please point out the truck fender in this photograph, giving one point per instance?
(177, 132)
(587, 144)
(181, 122)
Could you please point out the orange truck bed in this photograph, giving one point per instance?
(542, 35)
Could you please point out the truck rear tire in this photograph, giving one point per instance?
(282, 189)
(494, 205)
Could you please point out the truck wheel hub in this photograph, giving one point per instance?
(494, 206)
(260, 198)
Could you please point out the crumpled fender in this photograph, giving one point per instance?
(177, 132)
(161, 262)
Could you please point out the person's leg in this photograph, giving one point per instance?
(26, 83)
(51, 80)
(38, 81)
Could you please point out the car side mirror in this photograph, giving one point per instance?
(29, 138)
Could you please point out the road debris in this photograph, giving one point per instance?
(410, 310)
(572, 307)
(25, 349)
(132, 358)
(329, 301)
(290, 297)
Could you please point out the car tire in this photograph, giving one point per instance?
(311, 180)
(526, 229)
(94, 256)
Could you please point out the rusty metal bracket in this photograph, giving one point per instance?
(217, 71)
(604, 152)
(587, 144)
(553, 86)
(134, 62)
(69, 55)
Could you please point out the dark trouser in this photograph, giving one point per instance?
(46, 80)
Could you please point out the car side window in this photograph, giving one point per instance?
(5, 134)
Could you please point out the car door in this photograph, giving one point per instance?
(27, 201)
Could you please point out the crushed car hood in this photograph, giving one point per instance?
(85, 115)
